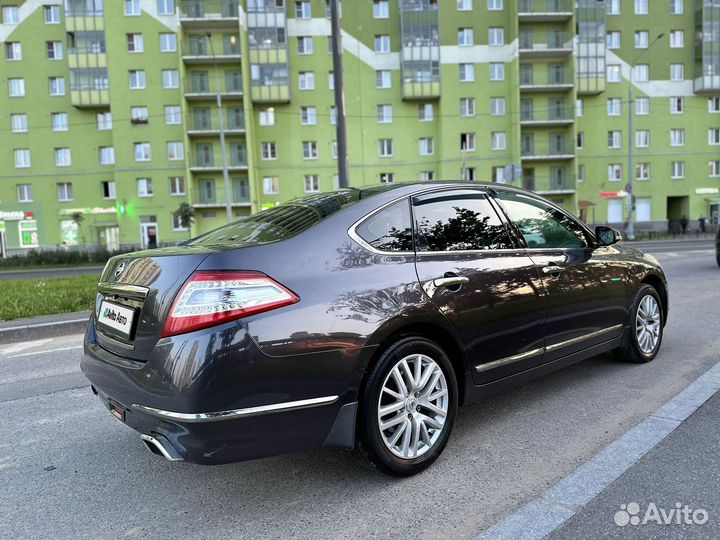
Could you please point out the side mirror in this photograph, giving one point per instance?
(607, 236)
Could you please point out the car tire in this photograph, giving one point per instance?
(646, 322)
(717, 256)
(423, 411)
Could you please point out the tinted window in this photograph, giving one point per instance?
(541, 225)
(459, 220)
(390, 229)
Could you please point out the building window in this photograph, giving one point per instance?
(613, 73)
(497, 106)
(677, 7)
(144, 187)
(580, 140)
(579, 107)
(104, 121)
(271, 185)
(10, 15)
(16, 87)
(385, 147)
(135, 43)
(177, 185)
(495, 5)
(612, 7)
(266, 117)
(427, 176)
(641, 73)
(139, 115)
(642, 106)
(714, 104)
(677, 72)
(381, 9)
(612, 40)
(137, 79)
(464, 5)
(615, 172)
(331, 80)
(306, 80)
(641, 7)
(642, 39)
(714, 136)
(677, 170)
(62, 157)
(19, 123)
(466, 37)
(382, 44)
(614, 107)
(614, 140)
(168, 42)
(170, 78)
(24, 193)
(642, 171)
(642, 138)
(166, 7)
(132, 8)
(677, 105)
(334, 149)
(426, 146)
(467, 107)
(384, 114)
(497, 71)
(57, 86)
(268, 151)
(108, 189)
(383, 78)
(498, 175)
(581, 173)
(142, 151)
(312, 183)
(305, 45)
(426, 112)
(714, 169)
(177, 224)
(107, 155)
(333, 115)
(303, 10)
(677, 39)
(13, 51)
(467, 142)
(59, 121)
(175, 151)
(310, 149)
(308, 116)
(22, 158)
(677, 137)
(498, 140)
(173, 115)
(65, 191)
(387, 178)
(496, 36)
(468, 174)
(467, 72)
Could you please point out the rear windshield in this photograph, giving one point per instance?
(280, 222)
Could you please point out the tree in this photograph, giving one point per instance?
(186, 214)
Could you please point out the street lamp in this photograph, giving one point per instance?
(223, 150)
(630, 231)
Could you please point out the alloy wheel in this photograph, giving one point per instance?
(647, 324)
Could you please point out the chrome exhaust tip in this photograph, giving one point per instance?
(160, 446)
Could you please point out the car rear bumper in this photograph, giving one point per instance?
(217, 404)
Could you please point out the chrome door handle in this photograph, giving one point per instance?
(552, 269)
(452, 281)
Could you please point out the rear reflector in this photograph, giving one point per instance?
(212, 298)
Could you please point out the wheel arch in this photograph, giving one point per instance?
(659, 285)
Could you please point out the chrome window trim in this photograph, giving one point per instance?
(238, 413)
(519, 251)
(123, 289)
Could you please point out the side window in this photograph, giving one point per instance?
(541, 225)
(390, 229)
(458, 220)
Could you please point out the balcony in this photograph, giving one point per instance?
(208, 123)
(546, 45)
(545, 82)
(201, 52)
(271, 83)
(559, 184)
(545, 10)
(205, 88)
(214, 197)
(553, 117)
(548, 152)
(202, 14)
(420, 53)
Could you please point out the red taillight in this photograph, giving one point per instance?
(211, 298)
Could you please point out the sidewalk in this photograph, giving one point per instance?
(43, 327)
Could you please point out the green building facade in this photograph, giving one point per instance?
(112, 112)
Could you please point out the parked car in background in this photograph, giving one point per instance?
(717, 246)
(361, 318)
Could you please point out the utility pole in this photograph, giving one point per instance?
(342, 162)
(221, 121)
(630, 230)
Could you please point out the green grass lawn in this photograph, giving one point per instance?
(31, 297)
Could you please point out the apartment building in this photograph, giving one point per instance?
(113, 113)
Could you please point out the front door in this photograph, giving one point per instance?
(586, 291)
(148, 235)
(474, 273)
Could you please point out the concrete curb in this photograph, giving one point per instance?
(43, 327)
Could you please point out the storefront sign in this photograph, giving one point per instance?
(94, 211)
(12, 215)
(707, 191)
(28, 234)
(613, 194)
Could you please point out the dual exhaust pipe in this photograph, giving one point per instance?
(160, 446)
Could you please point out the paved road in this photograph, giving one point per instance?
(69, 469)
(40, 273)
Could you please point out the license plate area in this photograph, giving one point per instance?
(117, 319)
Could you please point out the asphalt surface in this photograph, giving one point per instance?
(69, 469)
(45, 273)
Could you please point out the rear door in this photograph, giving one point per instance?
(476, 275)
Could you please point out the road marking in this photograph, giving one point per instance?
(540, 517)
(46, 352)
